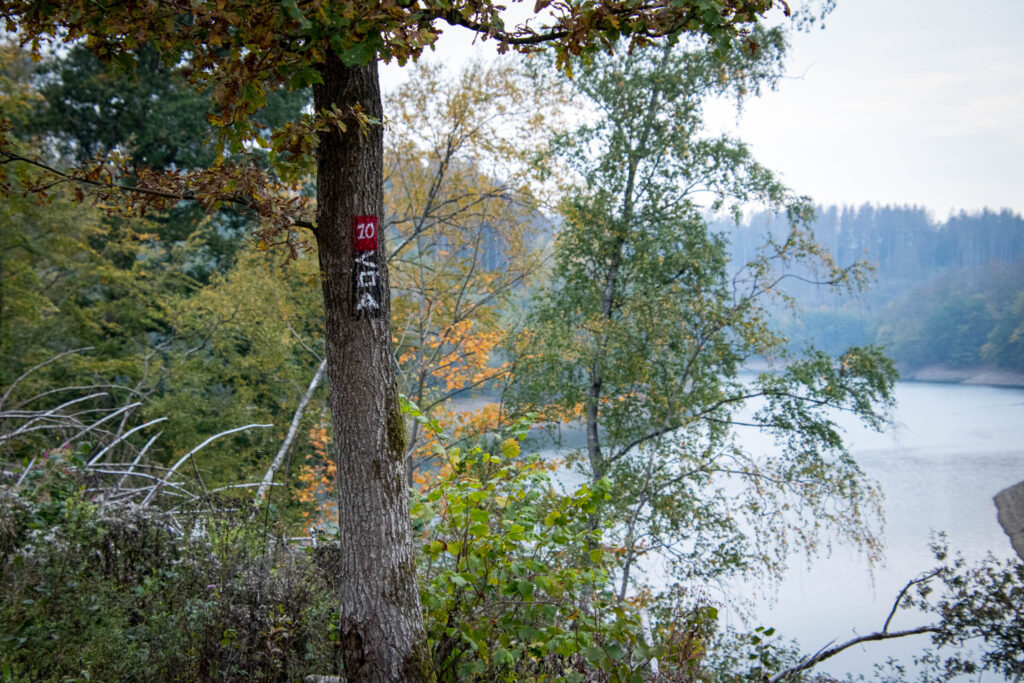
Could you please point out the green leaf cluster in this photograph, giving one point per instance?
(512, 575)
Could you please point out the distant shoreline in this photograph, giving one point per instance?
(984, 375)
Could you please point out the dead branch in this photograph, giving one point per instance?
(293, 429)
(37, 367)
(885, 634)
(96, 458)
(192, 452)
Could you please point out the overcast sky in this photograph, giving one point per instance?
(895, 101)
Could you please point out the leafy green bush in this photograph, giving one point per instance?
(514, 581)
(512, 578)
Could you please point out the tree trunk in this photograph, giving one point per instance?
(381, 625)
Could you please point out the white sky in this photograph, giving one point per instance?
(895, 101)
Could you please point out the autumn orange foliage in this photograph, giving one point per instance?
(316, 483)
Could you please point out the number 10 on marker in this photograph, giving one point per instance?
(364, 233)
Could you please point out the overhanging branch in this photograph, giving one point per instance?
(7, 156)
(884, 634)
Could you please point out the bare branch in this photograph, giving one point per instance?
(192, 452)
(138, 458)
(293, 429)
(38, 366)
(924, 578)
(302, 342)
(884, 634)
(124, 436)
(832, 652)
(50, 413)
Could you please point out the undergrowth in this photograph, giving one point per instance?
(197, 594)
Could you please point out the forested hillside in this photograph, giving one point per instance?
(945, 293)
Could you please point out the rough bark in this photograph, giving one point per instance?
(381, 625)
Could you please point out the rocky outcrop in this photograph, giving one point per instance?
(1010, 505)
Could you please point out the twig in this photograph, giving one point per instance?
(25, 473)
(895, 605)
(138, 458)
(58, 390)
(826, 654)
(884, 634)
(96, 458)
(97, 423)
(302, 342)
(245, 202)
(243, 486)
(53, 411)
(36, 367)
(159, 482)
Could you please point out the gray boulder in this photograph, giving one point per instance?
(1010, 506)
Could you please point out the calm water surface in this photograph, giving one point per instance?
(952, 449)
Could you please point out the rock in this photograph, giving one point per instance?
(1010, 506)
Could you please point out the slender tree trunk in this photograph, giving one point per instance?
(593, 407)
(598, 464)
(381, 625)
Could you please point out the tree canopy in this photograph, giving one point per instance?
(643, 330)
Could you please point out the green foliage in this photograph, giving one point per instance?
(960, 320)
(1005, 345)
(241, 54)
(150, 112)
(73, 279)
(944, 292)
(151, 115)
(512, 575)
(239, 343)
(89, 107)
(978, 602)
(738, 656)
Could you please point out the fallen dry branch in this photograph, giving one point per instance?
(884, 634)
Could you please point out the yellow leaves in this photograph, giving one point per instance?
(462, 232)
(510, 448)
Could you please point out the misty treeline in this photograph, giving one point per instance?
(169, 501)
(943, 292)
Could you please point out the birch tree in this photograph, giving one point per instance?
(644, 329)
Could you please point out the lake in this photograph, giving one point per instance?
(952, 449)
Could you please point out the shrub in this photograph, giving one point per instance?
(155, 596)
(512, 578)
